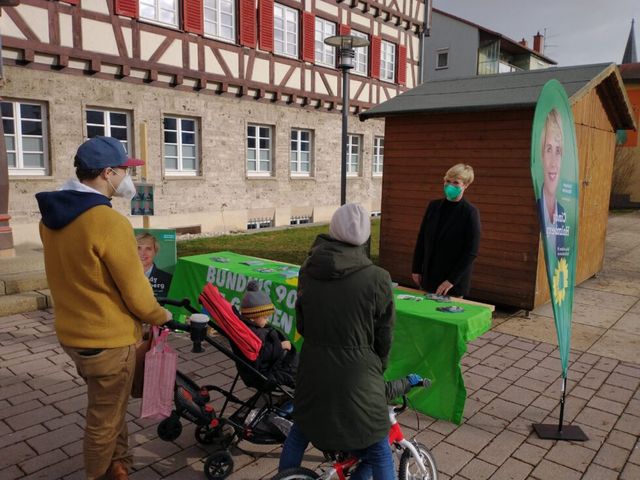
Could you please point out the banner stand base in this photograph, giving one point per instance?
(568, 432)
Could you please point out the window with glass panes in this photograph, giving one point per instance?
(378, 155)
(325, 54)
(388, 61)
(219, 19)
(361, 60)
(353, 154)
(300, 152)
(108, 123)
(163, 11)
(285, 30)
(258, 150)
(25, 135)
(180, 146)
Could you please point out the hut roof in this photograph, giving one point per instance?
(506, 91)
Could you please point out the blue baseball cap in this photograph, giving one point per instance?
(103, 152)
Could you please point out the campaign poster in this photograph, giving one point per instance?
(142, 203)
(157, 253)
(554, 171)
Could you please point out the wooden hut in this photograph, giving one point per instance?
(486, 121)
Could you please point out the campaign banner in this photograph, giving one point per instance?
(554, 171)
(158, 254)
(231, 272)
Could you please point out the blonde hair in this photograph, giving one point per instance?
(141, 237)
(462, 172)
(553, 123)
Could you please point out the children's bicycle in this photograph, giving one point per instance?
(414, 459)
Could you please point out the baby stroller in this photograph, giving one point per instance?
(262, 419)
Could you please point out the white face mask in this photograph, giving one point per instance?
(126, 189)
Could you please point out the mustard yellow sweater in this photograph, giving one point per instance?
(99, 289)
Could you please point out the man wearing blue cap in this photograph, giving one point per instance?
(100, 294)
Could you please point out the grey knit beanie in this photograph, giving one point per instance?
(255, 303)
(351, 223)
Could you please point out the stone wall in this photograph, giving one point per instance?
(222, 197)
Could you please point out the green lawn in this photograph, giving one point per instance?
(285, 245)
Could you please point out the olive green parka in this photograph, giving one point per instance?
(345, 313)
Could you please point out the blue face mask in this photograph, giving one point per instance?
(452, 191)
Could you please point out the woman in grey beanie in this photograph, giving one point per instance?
(345, 313)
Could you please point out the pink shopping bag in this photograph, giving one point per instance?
(159, 377)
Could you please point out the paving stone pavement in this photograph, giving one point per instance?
(512, 375)
(511, 382)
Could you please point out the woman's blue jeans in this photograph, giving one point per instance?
(376, 460)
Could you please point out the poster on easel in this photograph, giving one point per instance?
(158, 253)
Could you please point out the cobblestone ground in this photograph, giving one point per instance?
(511, 383)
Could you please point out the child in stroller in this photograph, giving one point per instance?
(262, 419)
(277, 359)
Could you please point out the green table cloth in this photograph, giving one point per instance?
(426, 341)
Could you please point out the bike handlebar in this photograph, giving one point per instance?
(426, 383)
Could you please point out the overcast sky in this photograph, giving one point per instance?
(577, 31)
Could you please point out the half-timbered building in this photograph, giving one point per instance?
(241, 100)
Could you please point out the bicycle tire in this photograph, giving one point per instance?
(408, 469)
(296, 473)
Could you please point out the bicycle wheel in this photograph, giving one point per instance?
(409, 468)
(297, 473)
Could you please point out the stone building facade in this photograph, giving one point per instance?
(243, 112)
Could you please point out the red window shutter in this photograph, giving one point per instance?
(308, 37)
(127, 8)
(192, 15)
(344, 29)
(70, 2)
(266, 25)
(376, 45)
(248, 23)
(402, 65)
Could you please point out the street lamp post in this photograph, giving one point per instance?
(345, 45)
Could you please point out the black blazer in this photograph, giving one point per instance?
(160, 281)
(447, 253)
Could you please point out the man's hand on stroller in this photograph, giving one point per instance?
(286, 345)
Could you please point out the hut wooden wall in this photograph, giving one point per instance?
(418, 151)
(595, 139)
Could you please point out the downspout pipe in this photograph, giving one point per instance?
(425, 32)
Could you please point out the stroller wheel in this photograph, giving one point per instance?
(207, 435)
(219, 465)
(170, 428)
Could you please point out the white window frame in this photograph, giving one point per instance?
(361, 60)
(324, 54)
(353, 168)
(258, 172)
(388, 61)
(442, 51)
(106, 125)
(18, 148)
(378, 156)
(298, 151)
(157, 10)
(180, 171)
(286, 46)
(214, 6)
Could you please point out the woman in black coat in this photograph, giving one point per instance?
(448, 239)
